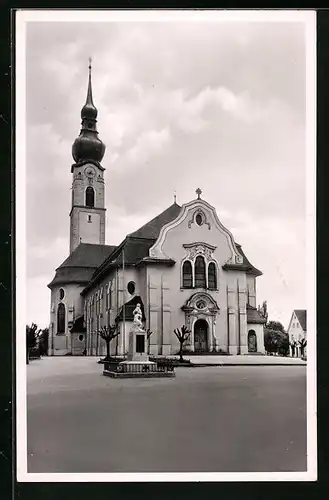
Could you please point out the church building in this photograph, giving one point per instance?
(183, 267)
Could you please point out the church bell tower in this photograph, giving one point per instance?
(88, 189)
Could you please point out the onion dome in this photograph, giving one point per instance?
(88, 147)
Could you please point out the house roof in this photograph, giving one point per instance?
(253, 315)
(87, 255)
(151, 229)
(92, 262)
(250, 268)
(302, 318)
(136, 245)
(80, 265)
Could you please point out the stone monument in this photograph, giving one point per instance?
(137, 363)
(137, 350)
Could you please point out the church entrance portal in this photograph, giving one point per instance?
(200, 335)
(252, 341)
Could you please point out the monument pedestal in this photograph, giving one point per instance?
(138, 364)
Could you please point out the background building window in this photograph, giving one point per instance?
(61, 293)
(200, 272)
(212, 276)
(187, 274)
(61, 318)
(90, 196)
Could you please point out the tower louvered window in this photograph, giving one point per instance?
(200, 272)
(90, 197)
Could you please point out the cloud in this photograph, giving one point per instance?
(147, 145)
(181, 106)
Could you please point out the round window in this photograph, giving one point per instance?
(81, 337)
(131, 287)
(61, 293)
(198, 219)
(201, 304)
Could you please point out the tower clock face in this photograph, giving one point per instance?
(90, 172)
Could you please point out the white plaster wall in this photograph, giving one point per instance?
(259, 330)
(173, 248)
(89, 232)
(120, 295)
(251, 287)
(93, 232)
(73, 307)
(81, 182)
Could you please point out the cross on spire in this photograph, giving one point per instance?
(90, 59)
(198, 192)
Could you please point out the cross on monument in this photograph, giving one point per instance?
(198, 192)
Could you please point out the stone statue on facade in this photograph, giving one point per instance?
(138, 316)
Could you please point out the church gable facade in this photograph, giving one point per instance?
(183, 267)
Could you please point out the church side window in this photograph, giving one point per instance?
(187, 275)
(200, 272)
(61, 318)
(101, 301)
(212, 276)
(90, 197)
(109, 293)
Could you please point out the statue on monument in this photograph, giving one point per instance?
(138, 316)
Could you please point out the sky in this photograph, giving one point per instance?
(220, 106)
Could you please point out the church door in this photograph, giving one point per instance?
(252, 341)
(201, 336)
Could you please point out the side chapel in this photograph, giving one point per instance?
(183, 267)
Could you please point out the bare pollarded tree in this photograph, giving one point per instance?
(108, 333)
(182, 334)
(148, 335)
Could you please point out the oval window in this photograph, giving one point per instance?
(198, 219)
(61, 293)
(81, 337)
(131, 287)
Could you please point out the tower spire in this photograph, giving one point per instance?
(89, 110)
(89, 100)
(88, 146)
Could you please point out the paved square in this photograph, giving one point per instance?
(210, 419)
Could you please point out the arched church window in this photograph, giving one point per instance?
(212, 276)
(61, 318)
(200, 272)
(187, 274)
(90, 197)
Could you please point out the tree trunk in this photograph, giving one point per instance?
(181, 352)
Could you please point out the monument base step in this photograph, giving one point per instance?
(138, 374)
(132, 362)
